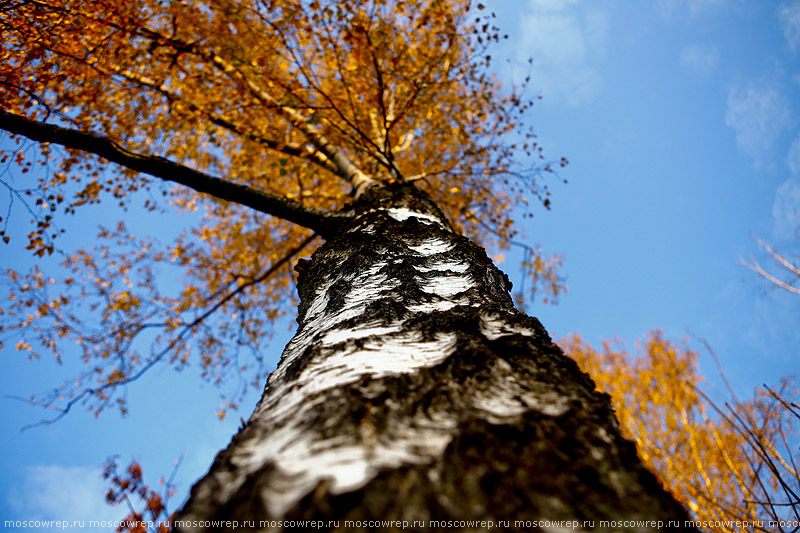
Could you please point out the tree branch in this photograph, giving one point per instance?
(780, 260)
(322, 222)
(346, 168)
(289, 149)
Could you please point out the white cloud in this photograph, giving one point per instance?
(793, 157)
(789, 16)
(701, 59)
(671, 9)
(54, 492)
(563, 37)
(758, 113)
(544, 6)
(786, 210)
(698, 6)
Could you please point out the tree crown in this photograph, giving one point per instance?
(282, 108)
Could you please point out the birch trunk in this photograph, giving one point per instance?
(415, 390)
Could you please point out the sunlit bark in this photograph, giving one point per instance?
(414, 390)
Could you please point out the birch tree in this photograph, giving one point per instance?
(371, 134)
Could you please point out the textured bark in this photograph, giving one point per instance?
(415, 390)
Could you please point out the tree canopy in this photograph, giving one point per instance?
(277, 111)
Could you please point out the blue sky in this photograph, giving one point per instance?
(680, 121)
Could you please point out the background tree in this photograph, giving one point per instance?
(735, 461)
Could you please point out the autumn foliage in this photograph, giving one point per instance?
(731, 461)
(146, 507)
(267, 107)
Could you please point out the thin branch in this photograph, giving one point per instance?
(289, 149)
(45, 405)
(337, 53)
(322, 222)
(758, 269)
(781, 260)
(255, 281)
(168, 486)
(63, 410)
(346, 168)
(788, 504)
(429, 174)
(382, 134)
(718, 364)
(375, 152)
(185, 330)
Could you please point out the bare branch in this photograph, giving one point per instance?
(758, 269)
(779, 258)
(185, 329)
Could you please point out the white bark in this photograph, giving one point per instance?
(409, 349)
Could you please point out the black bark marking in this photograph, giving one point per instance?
(505, 427)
